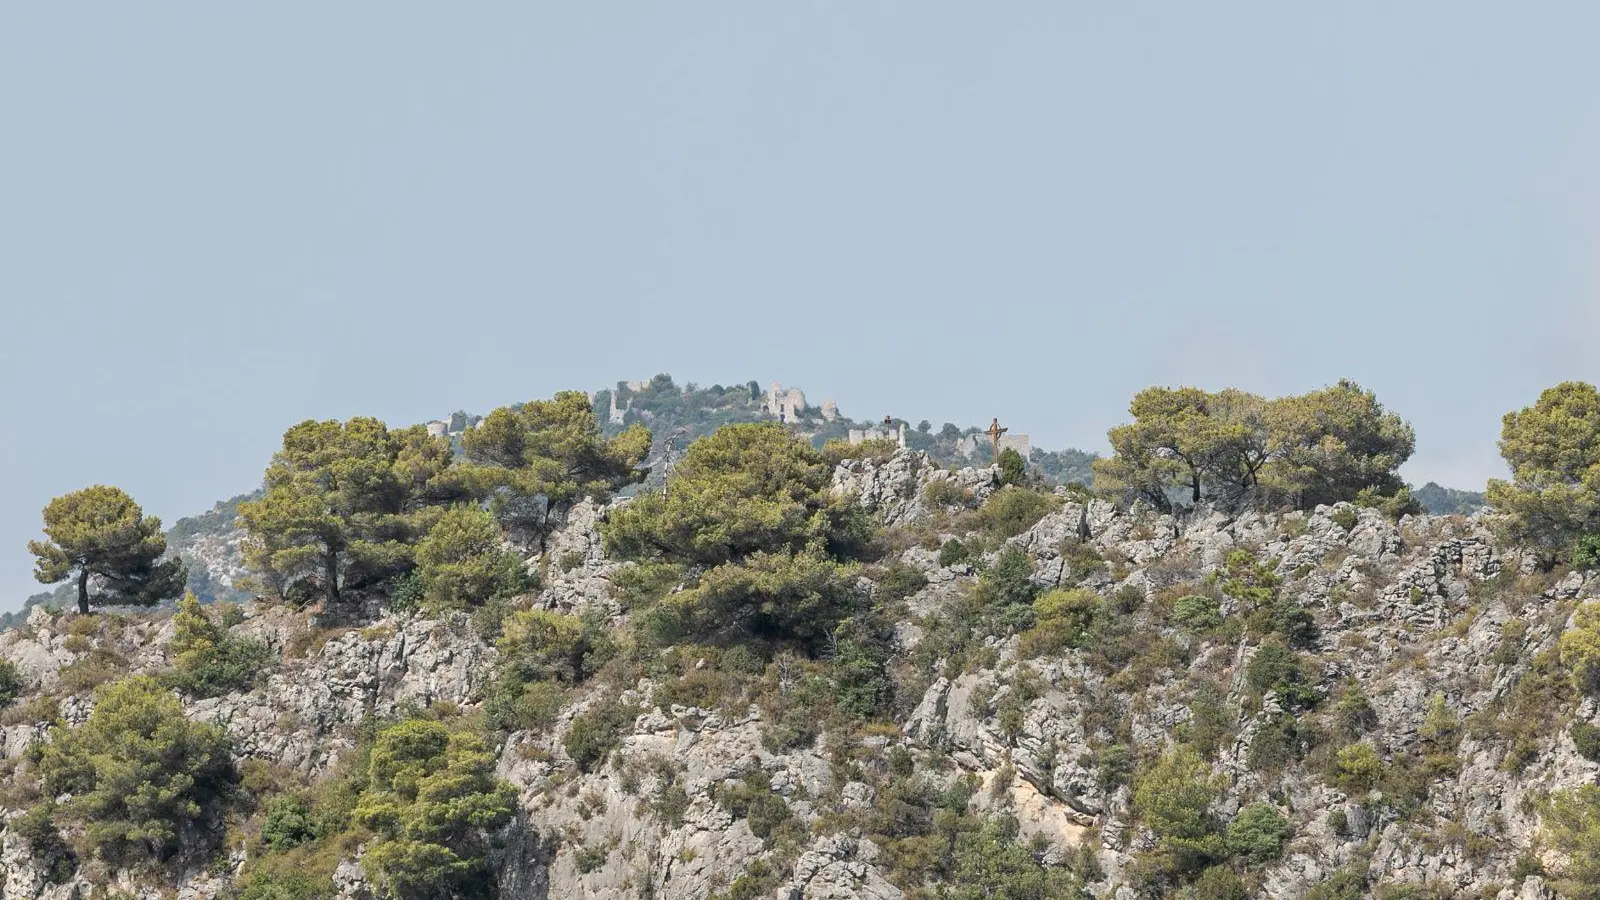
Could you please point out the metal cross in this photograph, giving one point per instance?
(994, 433)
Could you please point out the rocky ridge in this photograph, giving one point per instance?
(1411, 611)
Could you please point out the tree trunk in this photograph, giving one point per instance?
(83, 592)
(330, 564)
(1195, 482)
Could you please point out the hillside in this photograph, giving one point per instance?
(1397, 738)
(209, 541)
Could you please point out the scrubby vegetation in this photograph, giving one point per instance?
(1000, 688)
(135, 776)
(207, 660)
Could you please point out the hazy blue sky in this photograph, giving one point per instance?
(218, 221)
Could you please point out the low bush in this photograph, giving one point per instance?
(765, 812)
(1281, 671)
(11, 683)
(1257, 834)
(1572, 826)
(1580, 648)
(1063, 619)
(1197, 612)
(1357, 768)
(898, 581)
(208, 661)
(597, 731)
(1012, 510)
(1217, 883)
(945, 493)
(953, 552)
(1586, 738)
(1004, 594)
(1173, 797)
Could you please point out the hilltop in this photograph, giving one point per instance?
(703, 770)
(544, 653)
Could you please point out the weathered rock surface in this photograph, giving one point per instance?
(1410, 611)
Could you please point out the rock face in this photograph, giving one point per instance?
(1430, 617)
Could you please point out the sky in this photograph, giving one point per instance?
(217, 220)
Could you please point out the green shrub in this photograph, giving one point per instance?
(597, 731)
(1357, 768)
(405, 595)
(1062, 618)
(1257, 834)
(1217, 883)
(1572, 825)
(991, 863)
(1438, 739)
(47, 848)
(860, 666)
(1280, 740)
(539, 644)
(793, 716)
(285, 883)
(289, 823)
(137, 770)
(759, 880)
(1173, 796)
(1278, 669)
(1349, 883)
(876, 450)
(1393, 502)
(1012, 510)
(1580, 648)
(898, 582)
(516, 705)
(1210, 719)
(1339, 821)
(945, 493)
(952, 552)
(11, 684)
(1258, 589)
(207, 661)
(1344, 517)
(1013, 468)
(765, 812)
(1079, 560)
(430, 795)
(1005, 592)
(1197, 612)
(102, 666)
(1586, 738)
(1353, 715)
(1586, 552)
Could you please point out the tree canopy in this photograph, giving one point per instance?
(137, 771)
(749, 509)
(1237, 448)
(342, 504)
(744, 489)
(430, 795)
(103, 539)
(1553, 449)
(534, 460)
(461, 561)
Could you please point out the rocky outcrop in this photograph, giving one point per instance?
(1416, 612)
(895, 490)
